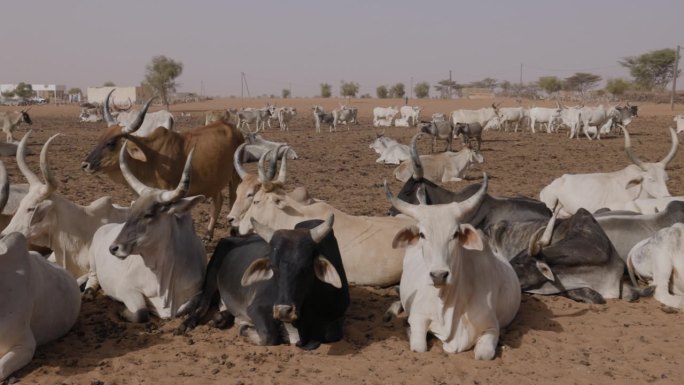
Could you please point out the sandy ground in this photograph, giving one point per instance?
(552, 339)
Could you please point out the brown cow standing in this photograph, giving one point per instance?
(157, 160)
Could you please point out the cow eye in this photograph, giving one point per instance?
(455, 234)
(111, 144)
(421, 235)
(250, 195)
(31, 209)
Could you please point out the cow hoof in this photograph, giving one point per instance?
(311, 345)
(88, 295)
(224, 320)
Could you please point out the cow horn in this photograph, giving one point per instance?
(139, 187)
(534, 248)
(630, 153)
(21, 161)
(282, 174)
(170, 196)
(236, 161)
(403, 207)
(673, 150)
(319, 232)
(4, 186)
(107, 114)
(537, 243)
(415, 159)
(471, 204)
(420, 194)
(45, 166)
(260, 168)
(137, 122)
(273, 161)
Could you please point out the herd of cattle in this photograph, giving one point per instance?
(461, 258)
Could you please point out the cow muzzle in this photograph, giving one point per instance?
(87, 167)
(118, 250)
(439, 277)
(285, 313)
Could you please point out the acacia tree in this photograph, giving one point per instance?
(326, 90)
(446, 88)
(550, 84)
(617, 87)
(381, 92)
(108, 84)
(74, 91)
(652, 70)
(422, 90)
(397, 91)
(349, 89)
(161, 76)
(582, 82)
(23, 90)
(285, 93)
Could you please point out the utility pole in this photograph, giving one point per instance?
(674, 79)
(521, 69)
(411, 90)
(201, 87)
(289, 87)
(242, 87)
(450, 83)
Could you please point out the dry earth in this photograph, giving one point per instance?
(552, 340)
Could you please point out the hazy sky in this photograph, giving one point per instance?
(307, 42)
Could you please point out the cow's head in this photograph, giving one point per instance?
(33, 217)
(624, 115)
(105, 154)
(440, 233)
(294, 262)
(25, 117)
(155, 212)
(652, 183)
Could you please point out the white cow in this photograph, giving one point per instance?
(482, 116)
(438, 117)
(410, 114)
(550, 116)
(384, 116)
(572, 118)
(9, 120)
(659, 260)
(390, 150)
(443, 167)
(153, 258)
(512, 116)
(452, 285)
(679, 119)
(150, 122)
(48, 219)
(285, 115)
(599, 190)
(345, 115)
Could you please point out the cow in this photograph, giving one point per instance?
(154, 257)
(679, 119)
(291, 279)
(573, 257)
(50, 220)
(599, 190)
(411, 114)
(40, 301)
(452, 285)
(390, 150)
(10, 120)
(625, 231)
(482, 116)
(258, 116)
(364, 241)
(597, 120)
(322, 117)
(659, 261)
(346, 115)
(512, 116)
(444, 167)
(150, 122)
(285, 115)
(216, 116)
(572, 118)
(438, 130)
(550, 116)
(90, 113)
(469, 132)
(438, 117)
(256, 146)
(401, 122)
(384, 116)
(158, 159)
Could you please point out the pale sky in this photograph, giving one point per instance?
(303, 43)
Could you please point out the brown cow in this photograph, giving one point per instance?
(158, 159)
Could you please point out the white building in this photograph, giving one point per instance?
(47, 91)
(120, 95)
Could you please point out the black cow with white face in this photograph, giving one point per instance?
(283, 286)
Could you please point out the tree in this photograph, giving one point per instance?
(582, 82)
(381, 92)
(617, 87)
(422, 90)
(505, 87)
(108, 84)
(446, 88)
(326, 90)
(23, 90)
(652, 70)
(286, 93)
(488, 83)
(550, 84)
(349, 89)
(161, 75)
(74, 91)
(397, 91)
(7, 94)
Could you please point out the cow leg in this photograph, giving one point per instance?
(334, 330)
(265, 330)
(216, 210)
(585, 295)
(91, 287)
(418, 332)
(135, 309)
(485, 348)
(393, 311)
(19, 355)
(662, 276)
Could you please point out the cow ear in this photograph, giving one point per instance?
(41, 211)
(545, 270)
(135, 152)
(259, 270)
(326, 272)
(469, 237)
(408, 236)
(186, 204)
(99, 205)
(634, 182)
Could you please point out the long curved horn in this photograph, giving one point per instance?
(319, 232)
(403, 207)
(21, 161)
(128, 107)
(4, 186)
(415, 159)
(471, 204)
(630, 153)
(260, 168)
(109, 119)
(170, 196)
(273, 161)
(137, 122)
(537, 243)
(236, 161)
(282, 174)
(139, 187)
(673, 150)
(45, 166)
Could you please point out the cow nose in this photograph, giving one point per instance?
(113, 249)
(439, 277)
(231, 220)
(85, 165)
(284, 313)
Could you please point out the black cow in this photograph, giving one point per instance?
(283, 285)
